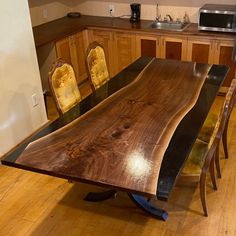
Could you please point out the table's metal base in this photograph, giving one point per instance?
(142, 202)
(146, 205)
(101, 196)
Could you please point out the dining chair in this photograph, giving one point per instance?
(63, 86)
(209, 124)
(96, 65)
(203, 154)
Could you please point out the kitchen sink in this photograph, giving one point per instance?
(169, 25)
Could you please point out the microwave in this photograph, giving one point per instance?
(216, 17)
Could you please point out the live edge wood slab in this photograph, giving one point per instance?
(121, 142)
(122, 130)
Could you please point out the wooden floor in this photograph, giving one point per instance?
(34, 204)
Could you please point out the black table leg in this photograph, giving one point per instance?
(100, 196)
(148, 207)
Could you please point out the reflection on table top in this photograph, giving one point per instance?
(121, 142)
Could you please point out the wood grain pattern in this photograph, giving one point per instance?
(121, 141)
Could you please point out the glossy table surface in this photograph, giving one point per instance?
(137, 138)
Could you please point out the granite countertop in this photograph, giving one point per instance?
(62, 27)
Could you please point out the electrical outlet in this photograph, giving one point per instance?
(111, 8)
(34, 100)
(45, 13)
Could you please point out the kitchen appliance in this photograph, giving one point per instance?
(135, 12)
(216, 17)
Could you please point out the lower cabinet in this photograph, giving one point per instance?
(174, 48)
(200, 50)
(119, 48)
(105, 38)
(213, 52)
(147, 45)
(122, 48)
(223, 55)
(73, 49)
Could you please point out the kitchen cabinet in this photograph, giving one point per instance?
(147, 46)
(174, 48)
(200, 50)
(124, 50)
(213, 52)
(63, 49)
(72, 49)
(105, 38)
(119, 48)
(223, 55)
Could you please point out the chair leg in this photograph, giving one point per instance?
(203, 192)
(212, 173)
(224, 139)
(217, 161)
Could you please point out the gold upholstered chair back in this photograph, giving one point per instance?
(63, 86)
(97, 66)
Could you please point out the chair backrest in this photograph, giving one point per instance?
(97, 66)
(221, 122)
(63, 86)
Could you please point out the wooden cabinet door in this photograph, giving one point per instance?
(63, 49)
(124, 50)
(72, 50)
(174, 48)
(78, 48)
(105, 38)
(200, 50)
(147, 46)
(223, 55)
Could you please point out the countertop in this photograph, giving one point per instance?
(62, 27)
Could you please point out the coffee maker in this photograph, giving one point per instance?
(135, 12)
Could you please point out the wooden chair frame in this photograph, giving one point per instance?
(228, 107)
(213, 150)
(91, 46)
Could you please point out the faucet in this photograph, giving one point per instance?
(170, 18)
(158, 16)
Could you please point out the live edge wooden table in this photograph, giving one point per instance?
(133, 134)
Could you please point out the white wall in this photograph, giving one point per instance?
(53, 8)
(19, 76)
